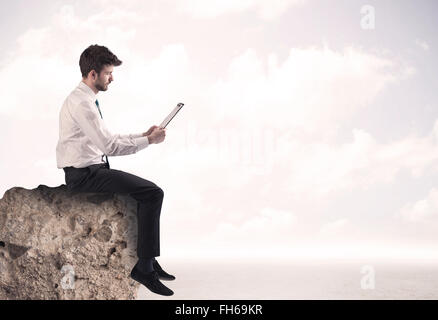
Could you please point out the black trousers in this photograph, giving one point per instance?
(100, 178)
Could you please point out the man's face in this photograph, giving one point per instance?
(105, 78)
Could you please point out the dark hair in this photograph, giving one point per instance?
(95, 57)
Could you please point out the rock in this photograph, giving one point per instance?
(57, 244)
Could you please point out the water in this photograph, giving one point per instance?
(284, 280)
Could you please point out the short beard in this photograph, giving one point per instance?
(99, 87)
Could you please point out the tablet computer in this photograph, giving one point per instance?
(171, 115)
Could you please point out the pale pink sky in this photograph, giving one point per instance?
(302, 135)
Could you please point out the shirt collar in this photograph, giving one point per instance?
(87, 90)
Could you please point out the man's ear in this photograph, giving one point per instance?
(93, 74)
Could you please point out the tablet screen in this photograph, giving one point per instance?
(171, 115)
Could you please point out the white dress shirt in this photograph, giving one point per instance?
(83, 136)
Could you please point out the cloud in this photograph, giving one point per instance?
(333, 228)
(316, 168)
(272, 121)
(34, 78)
(422, 44)
(266, 119)
(267, 227)
(205, 9)
(424, 210)
(263, 135)
(312, 89)
(210, 9)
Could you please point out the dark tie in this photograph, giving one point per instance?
(97, 104)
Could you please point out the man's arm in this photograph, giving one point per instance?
(95, 129)
(148, 134)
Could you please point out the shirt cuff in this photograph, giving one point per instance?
(141, 143)
(136, 135)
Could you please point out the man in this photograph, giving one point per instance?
(84, 142)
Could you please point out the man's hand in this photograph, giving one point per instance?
(158, 134)
(149, 131)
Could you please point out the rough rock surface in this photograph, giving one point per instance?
(57, 244)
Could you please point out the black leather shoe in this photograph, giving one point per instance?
(150, 280)
(163, 275)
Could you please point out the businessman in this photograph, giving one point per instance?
(83, 149)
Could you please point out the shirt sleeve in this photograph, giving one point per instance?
(95, 129)
(131, 135)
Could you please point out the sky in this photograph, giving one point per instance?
(309, 128)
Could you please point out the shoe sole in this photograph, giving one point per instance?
(160, 293)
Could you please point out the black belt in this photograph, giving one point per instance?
(105, 164)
